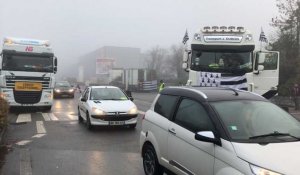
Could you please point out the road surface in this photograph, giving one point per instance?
(56, 143)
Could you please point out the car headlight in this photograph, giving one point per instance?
(71, 90)
(57, 90)
(97, 111)
(261, 171)
(133, 110)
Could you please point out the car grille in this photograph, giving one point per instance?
(115, 117)
(11, 80)
(27, 97)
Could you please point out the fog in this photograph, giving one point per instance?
(76, 27)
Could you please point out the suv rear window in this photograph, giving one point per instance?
(165, 105)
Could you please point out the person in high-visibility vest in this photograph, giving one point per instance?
(161, 86)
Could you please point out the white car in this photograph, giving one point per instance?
(106, 105)
(218, 131)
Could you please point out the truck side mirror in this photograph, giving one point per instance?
(55, 61)
(186, 55)
(260, 67)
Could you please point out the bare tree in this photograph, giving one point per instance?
(176, 61)
(156, 58)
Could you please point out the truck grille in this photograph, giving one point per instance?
(11, 80)
(27, 97)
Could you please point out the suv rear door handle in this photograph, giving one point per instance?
(172, 131)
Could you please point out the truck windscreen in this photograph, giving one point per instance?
(222, 61)
(27, 63)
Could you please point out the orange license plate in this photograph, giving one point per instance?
(28, 86)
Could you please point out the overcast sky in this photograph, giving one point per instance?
(76, 27)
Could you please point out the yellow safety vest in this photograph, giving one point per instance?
(161, 87)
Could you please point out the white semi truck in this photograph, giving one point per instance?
(226, 57)
(27, 69)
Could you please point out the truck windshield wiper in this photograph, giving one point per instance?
(274, 134)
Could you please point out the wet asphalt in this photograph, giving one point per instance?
(63, 146)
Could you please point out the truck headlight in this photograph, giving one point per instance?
(197, 36)
(49, 96)
(133, 110)
(97, 111)
(261, 171)
(249, 37)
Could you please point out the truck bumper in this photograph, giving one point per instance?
(45, 99)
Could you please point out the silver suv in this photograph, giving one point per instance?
(218, 131)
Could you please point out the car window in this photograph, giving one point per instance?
(62, 84)
(165, 105)
(192, 116)
(86, 94)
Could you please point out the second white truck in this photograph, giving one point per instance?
(226, 57)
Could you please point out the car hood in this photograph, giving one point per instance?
(280, 157)
(113, 105)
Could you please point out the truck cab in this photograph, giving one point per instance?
(226, 57)
(27, 69)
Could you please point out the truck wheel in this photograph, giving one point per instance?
(47, 108)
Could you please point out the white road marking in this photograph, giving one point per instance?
(141, 112)
(23, 142)
(40, 127)
(46, 116)
(52, 116)
(38, 136)
(25, 162)
(71, 116)
(23, 118)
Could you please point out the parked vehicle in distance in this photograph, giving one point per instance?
(106, 105)
(63, 89)
(218, 131)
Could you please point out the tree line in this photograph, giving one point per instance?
(287, 42)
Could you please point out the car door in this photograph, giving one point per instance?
(163, 111)
(265, 81)
(83, 107)
(187, 155)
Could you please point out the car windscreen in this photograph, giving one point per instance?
(29, 63)
(62, 84)
(107, 94)
(221, 61)
(257, 121)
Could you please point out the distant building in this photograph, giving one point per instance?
(95, 66)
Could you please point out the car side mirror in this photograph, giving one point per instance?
(131, 98)
(83, 100)
(207, 136)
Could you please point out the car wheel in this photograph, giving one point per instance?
(150, 161)
(80, 119)
(88, 122)
(132, 126)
